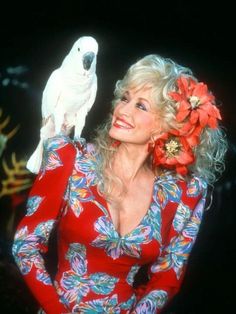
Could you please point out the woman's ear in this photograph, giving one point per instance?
(151, 143)
(155, 135)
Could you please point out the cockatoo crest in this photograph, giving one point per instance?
(68, 95)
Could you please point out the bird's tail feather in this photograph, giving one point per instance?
(35, 160)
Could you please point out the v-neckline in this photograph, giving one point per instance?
(127, 234)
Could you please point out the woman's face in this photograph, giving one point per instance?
(135, 117)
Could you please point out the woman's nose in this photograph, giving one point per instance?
(126, 108)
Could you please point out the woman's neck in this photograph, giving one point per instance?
(130, 161)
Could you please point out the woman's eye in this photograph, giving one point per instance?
(141, 106)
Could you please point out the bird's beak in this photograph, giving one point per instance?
(88, 59)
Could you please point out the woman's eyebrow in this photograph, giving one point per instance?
(127, 93)
(141, 98)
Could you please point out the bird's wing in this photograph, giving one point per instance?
(83, 111)
(51, 93)
(93, 93)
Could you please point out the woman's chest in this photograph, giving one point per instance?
(92, 226)
(128, 210)
(126, 214)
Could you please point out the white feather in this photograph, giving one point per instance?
(68, 95)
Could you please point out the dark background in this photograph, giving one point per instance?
(200, 35)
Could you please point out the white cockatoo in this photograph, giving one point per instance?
(69, 94)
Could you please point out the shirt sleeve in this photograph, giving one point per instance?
(167, 272)
(44, 205)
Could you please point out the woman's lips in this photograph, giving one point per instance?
(121, 123)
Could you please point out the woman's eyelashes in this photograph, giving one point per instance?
(138, 105)
(141, 106)
(124, 99)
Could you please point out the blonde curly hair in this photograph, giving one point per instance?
(161, 74)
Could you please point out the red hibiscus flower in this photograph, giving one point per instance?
(173, 152)
(196, 105)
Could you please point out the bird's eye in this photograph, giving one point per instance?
(79, 49)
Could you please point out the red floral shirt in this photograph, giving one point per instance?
(97, 266)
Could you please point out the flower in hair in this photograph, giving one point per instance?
(196, 105)
(173, 152)
(196, 110)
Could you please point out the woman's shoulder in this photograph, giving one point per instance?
(194, 186)
(61, 151)
(84, 147)
(58, 151)
(172, 188)
(58, 142)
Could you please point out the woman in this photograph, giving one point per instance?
(132, 199)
